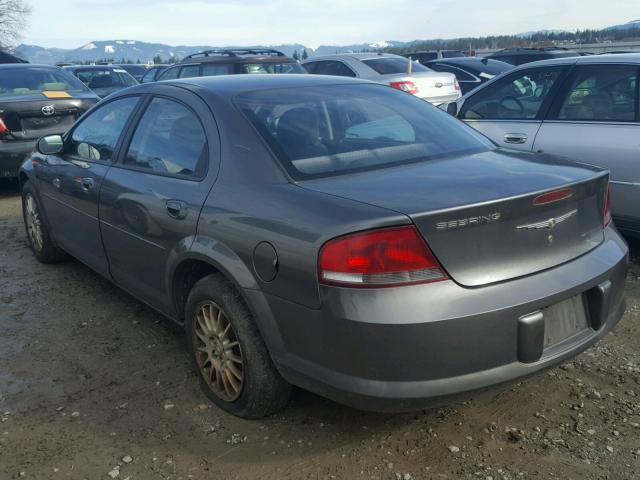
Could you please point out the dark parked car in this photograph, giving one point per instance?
(519, 56)
(153, 73)
(103, 80)
(231, 62)
(330, 233)
(424, 56)
(136, 70)
(471, 72)
(6, 57)
(36, 100)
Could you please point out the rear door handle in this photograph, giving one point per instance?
(176, 209)
(517, 138)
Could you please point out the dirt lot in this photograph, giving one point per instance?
(95, 385)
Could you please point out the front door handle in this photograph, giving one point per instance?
(176, 209)
(87, 184)
(517, 138)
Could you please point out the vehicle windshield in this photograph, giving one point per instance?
(30, 80)
(335, 129)
(393, 65)
(105, 78)
(289, 67)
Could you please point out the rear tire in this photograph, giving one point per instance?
(228, 353)
(38, 236)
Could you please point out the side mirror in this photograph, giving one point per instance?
(452, 109)
(50, 145)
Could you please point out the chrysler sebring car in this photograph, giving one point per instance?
(330, 233)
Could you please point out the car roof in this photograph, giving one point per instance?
(633, 58)
(232, 84)
(27, 65)
(94, 67)
(469, 61)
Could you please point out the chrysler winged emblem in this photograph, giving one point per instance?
(549, 223)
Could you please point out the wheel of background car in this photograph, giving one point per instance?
(228, 353)
(38, 236)
(504, 111)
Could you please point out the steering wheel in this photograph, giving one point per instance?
(504, 111)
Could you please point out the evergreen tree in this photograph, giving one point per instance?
(295, 55)
(305, 55)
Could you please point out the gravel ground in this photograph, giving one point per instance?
(95, 385)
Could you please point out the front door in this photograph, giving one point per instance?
(70, 183)
(509, 111)
(596, 120)
(152, 197)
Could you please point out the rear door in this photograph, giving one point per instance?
(510, 110)
(152, 197)
(70, 183)
(595, 119)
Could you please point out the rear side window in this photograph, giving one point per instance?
(214, 69)
(97, 135)
(334, 68)
(601, 93)
(288, 67)
(190, 71)
(329, 130)
(169, 140)
(393, 65)
(516, 97)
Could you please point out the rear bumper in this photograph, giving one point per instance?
(12, 156)
(399, 348)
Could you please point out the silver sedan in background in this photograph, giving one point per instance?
(583, 108)
(389, 69)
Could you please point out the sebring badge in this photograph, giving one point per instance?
(549, 223)
(469, 221)
(48, 110)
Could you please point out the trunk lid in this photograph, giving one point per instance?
(436, 87)
(477, 212)
(33, 116)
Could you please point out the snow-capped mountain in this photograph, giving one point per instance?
(625, 26)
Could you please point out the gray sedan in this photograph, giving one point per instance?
(394, 70)
(582, 108)
(333, 234)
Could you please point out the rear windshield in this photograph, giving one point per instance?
(335, 129)
(290, 67)
(105, 78)
(30, 80)
(393, 65)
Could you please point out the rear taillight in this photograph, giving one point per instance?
(456, 85)
(386, 257)
(607, 208)
(3, 127)
(405, 86)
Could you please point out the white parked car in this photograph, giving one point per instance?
(393, 70)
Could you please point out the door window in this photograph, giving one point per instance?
(170, 74)
(214, 69)
(601, 93)
(169, 140)
(96, 136)
(516, 97)
(460, 74)
(338, 69)
(190, 71)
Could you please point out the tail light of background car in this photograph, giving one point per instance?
(386, 257)
(607, 207)
(3, 127)
(406, 86)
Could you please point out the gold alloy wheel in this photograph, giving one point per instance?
(218, 352)
(34, 224)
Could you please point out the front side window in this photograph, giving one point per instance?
(32, 80)
(190, 71)
(516, 97)
(329, 130)
(602, 93)
(95, 138)
(288, 67)
(393, 65)
(215, 69)
(169, 140)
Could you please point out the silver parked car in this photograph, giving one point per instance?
(582, 108)
(394, 70)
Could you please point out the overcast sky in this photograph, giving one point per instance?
(72, 23)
